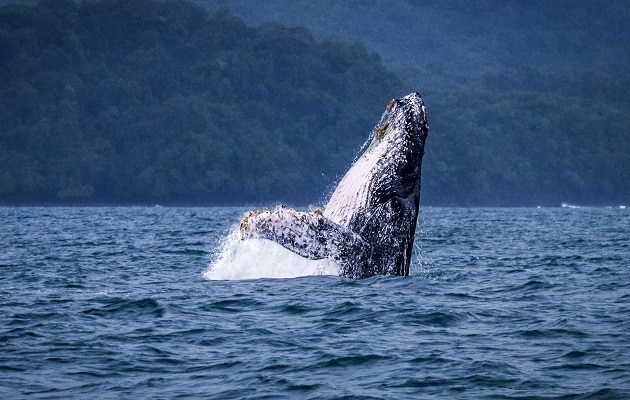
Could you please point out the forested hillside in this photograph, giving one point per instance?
(143, 101)
(146, 101)
(528, 100)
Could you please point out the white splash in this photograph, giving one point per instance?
(261, 258)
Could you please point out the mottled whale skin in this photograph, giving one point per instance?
(369, 223)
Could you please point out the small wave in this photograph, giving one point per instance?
(260, 258)
(577, 367)
(435, 318)
(551, 333)
(117, 306)
(331, 361)
(186, 251)
(232, 305)
(296, 309)
(575, 354)
(345, 309)
(427, 382)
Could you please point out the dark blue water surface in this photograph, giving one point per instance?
(501, 304)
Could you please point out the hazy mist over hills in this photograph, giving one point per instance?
(142, 101)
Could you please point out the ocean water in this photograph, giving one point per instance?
(501, 304)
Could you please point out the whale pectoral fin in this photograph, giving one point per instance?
(311, 235)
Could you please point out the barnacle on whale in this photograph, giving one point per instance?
(381, 129)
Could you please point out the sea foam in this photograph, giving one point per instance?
(260, 258)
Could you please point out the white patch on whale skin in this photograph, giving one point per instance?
(352, 194)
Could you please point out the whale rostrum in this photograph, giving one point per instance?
(369, 223)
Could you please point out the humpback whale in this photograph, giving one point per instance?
(369, 223)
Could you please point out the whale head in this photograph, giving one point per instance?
(378, 198)
(397, 146)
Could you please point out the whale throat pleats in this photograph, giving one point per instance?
(352, 195)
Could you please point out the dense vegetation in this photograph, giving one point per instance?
(528, 100)
(144, 101)
(148, 101)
